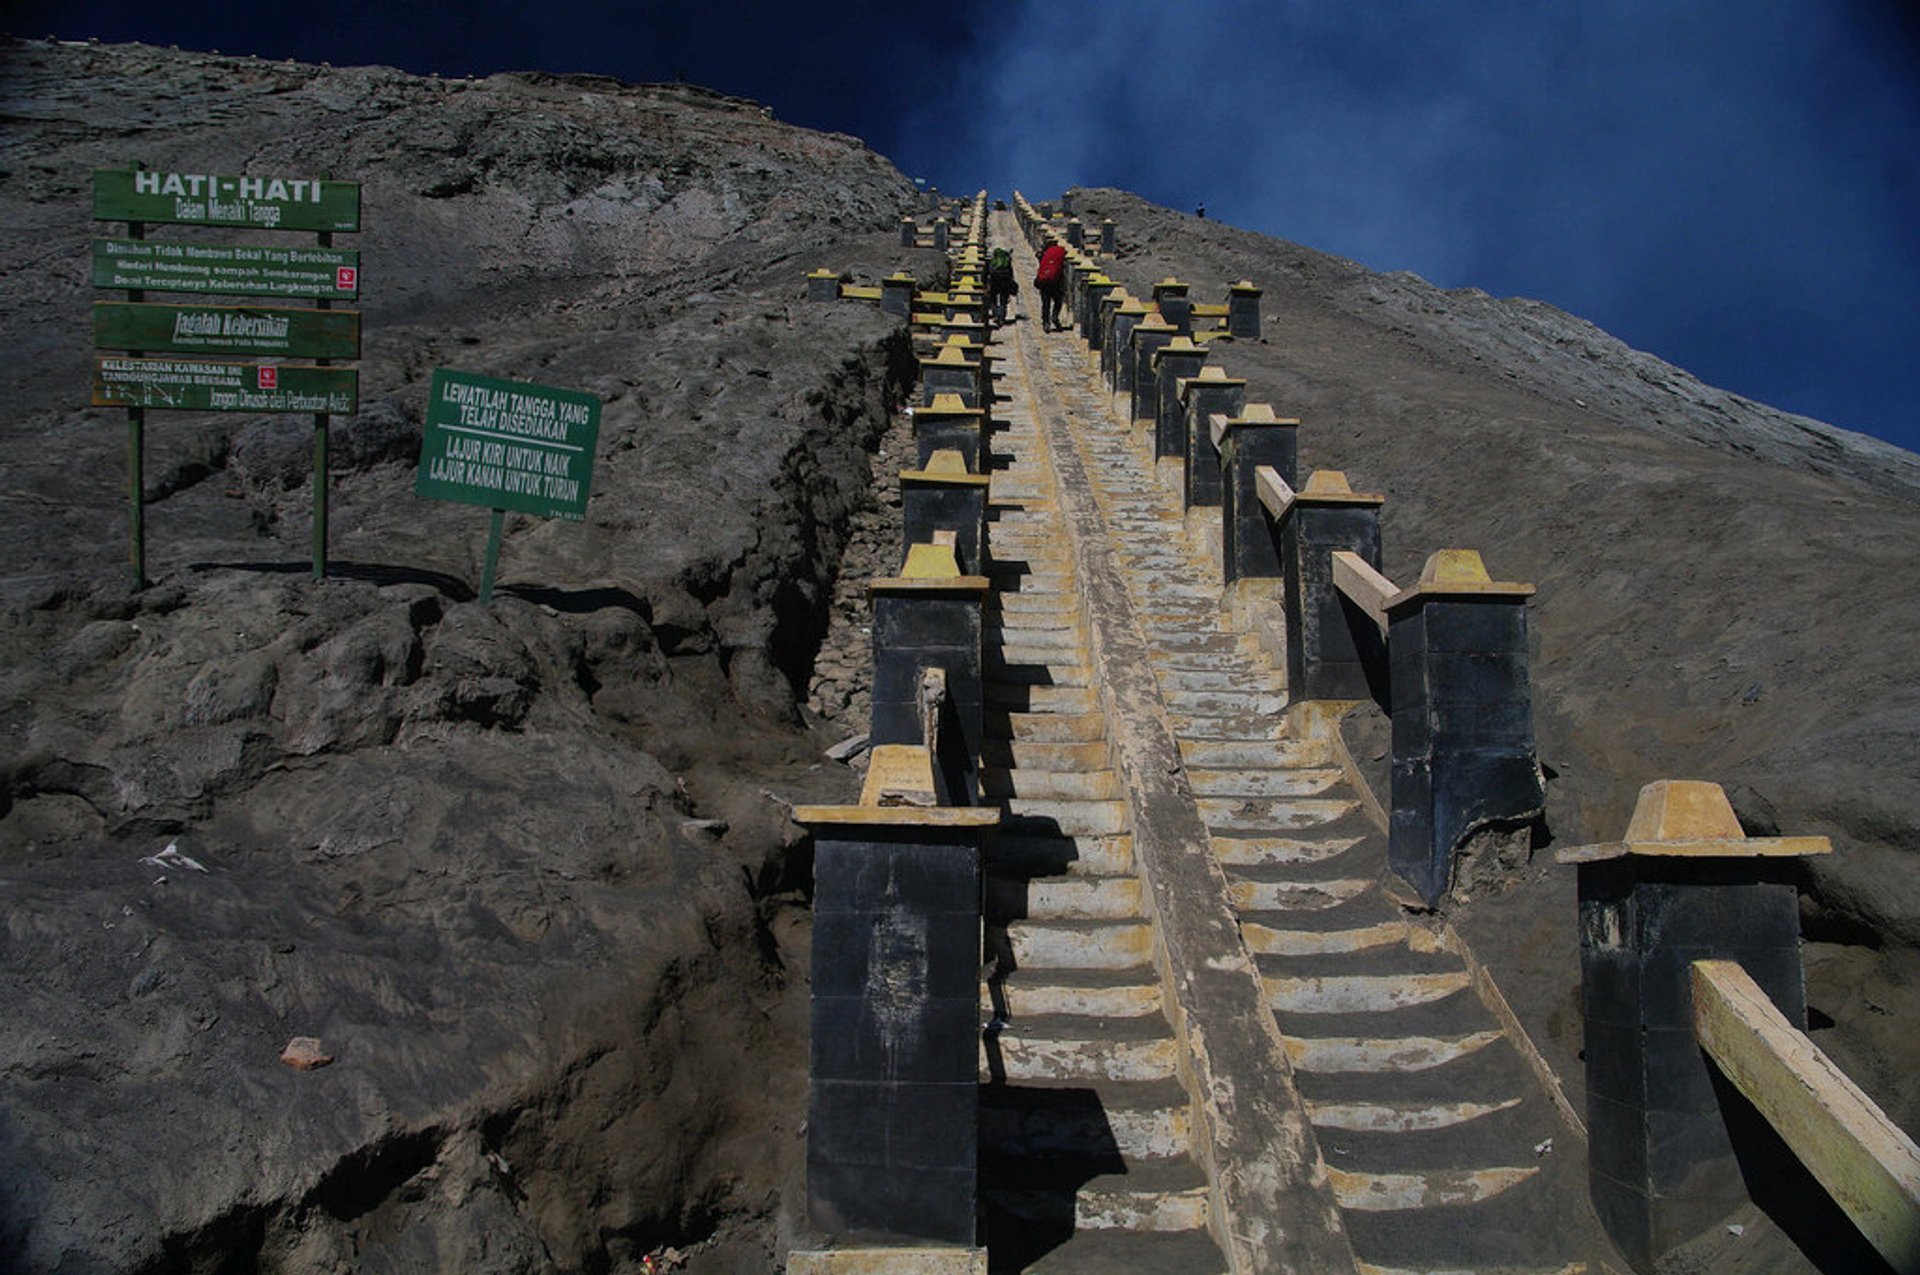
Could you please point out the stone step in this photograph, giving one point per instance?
(1041, 699)
(1152, 1121)
(1025, 998)
(1401, 1117)
(1383, 1053)
(1049, 728)
(1244, 815)
(1289, 896)
(1071, 898)
(1001, 673)
(1080, 755)
(1242, 782)
(1360, 993)
(1265, 851)
(1066, 817)
(1080, 945)
(1049, 856)
(1439, 1188)
(1265, 940)
(1027, 781)
(1207, 673)
(1010, 1057)
(1224, 754)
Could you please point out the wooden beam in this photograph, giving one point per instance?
(1867, 1164)
(1274, 492)
(1367, 588)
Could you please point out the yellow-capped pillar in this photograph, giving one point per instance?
(1667, 1139)
(1463, 750)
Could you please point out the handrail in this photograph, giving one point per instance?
(1364, 586)
(1869, 1166)
(1275, 494)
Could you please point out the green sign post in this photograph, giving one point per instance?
(207, 329)
(214, 199)
(321, 273)
(241, 270)
(507, 445)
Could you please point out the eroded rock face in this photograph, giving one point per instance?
(516, 866)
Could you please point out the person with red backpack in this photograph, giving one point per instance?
(1051, 282)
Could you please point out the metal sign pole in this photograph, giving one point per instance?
(137, 459)
(493, 556)
(320, 479)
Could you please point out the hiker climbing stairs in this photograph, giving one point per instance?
(1433, 1135)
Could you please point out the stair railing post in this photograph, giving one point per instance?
(1684, 884)
(1150, 335)
(1334, 650)
(1171, 296)
(1243, 311)
(943, 498)
(896, 295)
(1463, 750)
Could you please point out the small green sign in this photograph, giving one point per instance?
(211, 329)
(217, 199)
(244, 270)
(197, 386)
(508, 445)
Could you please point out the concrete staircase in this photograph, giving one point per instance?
(1439, 1142)
(1086, 1128)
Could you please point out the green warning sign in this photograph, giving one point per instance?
(218, 199)
(212, 329)
(205, 386)
(508, 445)
(245, 270)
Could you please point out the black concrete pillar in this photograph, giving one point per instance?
(1212, 393)
(893, 1101)
(1170, 295)
(1250, 548)
(1110, 304)
(1334, 650)
(1116, 352)
(1462, 711)
(925, 620)
(1150, 336)
(941, 228)
(909, 232)
(1243, 311)
(1667, 1136)
(823, 285)
(951, 371)
(948, 424)
(1106, 236)
(1178, 359)
(944, 497)
(1095, 291)
(896, 295)
(1076, 233)
(1066, 203)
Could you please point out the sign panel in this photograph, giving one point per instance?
(208, 329)
(217, 199)
(204, 386)
(508, 445)
(246, 270)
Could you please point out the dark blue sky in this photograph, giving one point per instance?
(1731, 184)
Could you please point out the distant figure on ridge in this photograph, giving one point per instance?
(1000, 285)
(1051, 280)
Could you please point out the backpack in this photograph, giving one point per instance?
(1052, 261)
(1000, 260)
